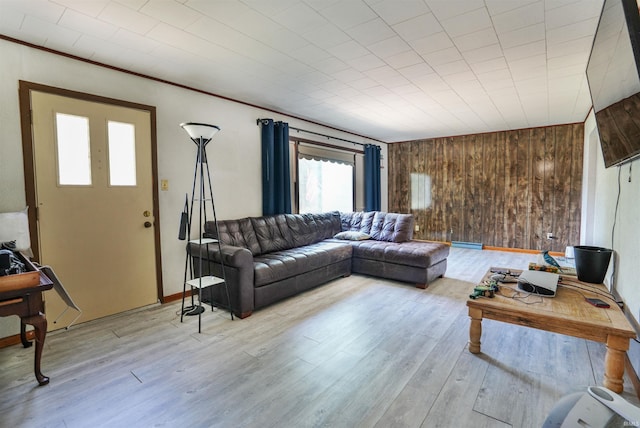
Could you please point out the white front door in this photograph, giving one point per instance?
(94, 196)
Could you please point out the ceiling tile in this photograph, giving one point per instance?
(299, 17)
(371, 32)
(518, 18)
(89, 8)
(433, 43)
(348, 75)
(443, 56)
(490, 65)
(568, 14)
(222, 11)
(41, 9)
(451, 67)
(282, 39)
(467, 23)
(366, 62)
(87, 25)
(478, 39)
(419, 27)
(172, 13)
(572, 31)
(271, 7)
(348, 13)
(416, 70)
(123, 17)
(525, 51)
(404, 59)
(581, 45)
(523, 36)
(134, 41)
(393, 12)
(483, 54)
(308, 54)
(388, 76)
(326, 36)
(330, 65)
(11, 20)
(389, 47)
(446, 9)
(348, 51)
(496, 7)
(49, 31)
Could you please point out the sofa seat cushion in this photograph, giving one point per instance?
(279, 265)
(411, 253)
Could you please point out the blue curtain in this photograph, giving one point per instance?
(372, 178)
(276, 180)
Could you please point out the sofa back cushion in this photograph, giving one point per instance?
(357, 221)
(328, 224)
(273, 233)
(304, 229)
(392, 227)
(238, 233)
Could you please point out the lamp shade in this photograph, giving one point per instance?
(200, 130)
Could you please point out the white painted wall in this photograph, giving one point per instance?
(598, 216)
(233, 154)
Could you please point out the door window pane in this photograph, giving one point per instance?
(122, 154)
(73, 150)
(325, 186)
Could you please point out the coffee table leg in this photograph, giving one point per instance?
(614, 362)
(475, 330)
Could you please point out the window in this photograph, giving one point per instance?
(325, 177)
(122, 154)
(325, 186)
(73, 150)
(420, 191)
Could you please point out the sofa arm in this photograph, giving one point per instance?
(238, 264)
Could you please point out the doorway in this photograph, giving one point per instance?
(93, 200)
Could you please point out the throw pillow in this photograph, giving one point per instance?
(352, 235)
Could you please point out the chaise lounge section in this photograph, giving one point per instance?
(267, 259)
(390, 251)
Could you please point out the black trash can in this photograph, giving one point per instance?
(591, 263)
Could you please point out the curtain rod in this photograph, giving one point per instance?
(318, 133)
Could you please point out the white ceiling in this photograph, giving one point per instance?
(394, 70)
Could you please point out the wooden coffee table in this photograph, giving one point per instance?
(567, 313)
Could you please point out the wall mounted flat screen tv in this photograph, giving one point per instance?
(613, 73)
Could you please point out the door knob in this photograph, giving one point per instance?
(147, 224)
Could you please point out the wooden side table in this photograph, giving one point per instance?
(27, 303)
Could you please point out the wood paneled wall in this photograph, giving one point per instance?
(501, 189)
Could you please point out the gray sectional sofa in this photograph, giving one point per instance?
(270, 258)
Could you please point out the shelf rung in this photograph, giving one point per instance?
(203, 241)
(205, 281)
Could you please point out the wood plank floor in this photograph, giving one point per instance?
(357, 352)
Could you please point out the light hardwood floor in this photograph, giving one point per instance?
(357, 352)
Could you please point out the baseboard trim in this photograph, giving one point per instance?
(521, 250)
(5, 342)
(176, 296)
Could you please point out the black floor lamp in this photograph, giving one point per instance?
(201, 195)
